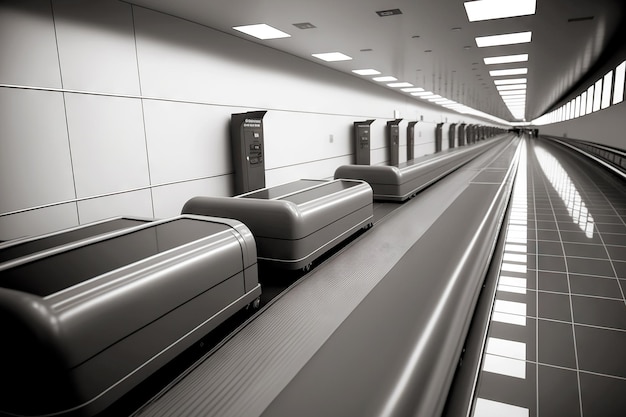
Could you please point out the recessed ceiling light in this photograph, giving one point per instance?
(510, 81)
(505, 39)
(430, 97)
(511, 71)
(262, 31)
(402, 84)
(498, 9)
(422, 93)
(510, 87)
(506, 59)
(332, 56)
(386, 78)
(412, 89)
(368, 71)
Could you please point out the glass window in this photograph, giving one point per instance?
(583, 103)
(597, 95)
(606, 90)
(577, 107)
(589, 100)
(618, 91)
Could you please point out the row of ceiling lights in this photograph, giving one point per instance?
(514, 95)
(512, 91)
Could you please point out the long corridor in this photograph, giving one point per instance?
(557, 333)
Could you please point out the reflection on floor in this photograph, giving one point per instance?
(556, 344)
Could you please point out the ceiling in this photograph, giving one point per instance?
(431, 44)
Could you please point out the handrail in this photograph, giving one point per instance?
(614, 159)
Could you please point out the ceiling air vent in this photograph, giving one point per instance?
(579, 19)
(305, 25)
(385, 13)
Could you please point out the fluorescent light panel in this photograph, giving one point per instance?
(412, 89)
(398, 85)
(511, 71)
(512, 92)
(385, 79)
(262, 31)
(505, 59)
(422, 93)
(511, 87)
(429, 97)
(332, 56)
(498, 9)
(510, 81)
(516, 96)
(368, 71)
(504, 39)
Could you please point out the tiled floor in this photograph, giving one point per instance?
(556, 344)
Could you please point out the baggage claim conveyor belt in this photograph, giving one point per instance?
(376, 331)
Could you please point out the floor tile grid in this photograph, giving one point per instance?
(543, 183)
(532, 188)
(590, 189)
(541, 207)
(599, 190)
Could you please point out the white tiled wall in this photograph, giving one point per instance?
(28, 46)
(169, 199)
(35, 163)
(109, 109)
(187, 140)
(40, 221)
(96, 46)
(135, 203)
(108, 144)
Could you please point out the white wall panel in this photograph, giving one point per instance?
(97, 46)
(295, 138)
(317, 170)
(605, 126)
(38, 222)
(136, 203)
(169, 199)
(422, 149)
(35, 166)
(27, 44)
(108, 144)
(187, 141)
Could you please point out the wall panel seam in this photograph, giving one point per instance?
(143, 113)
(67, 127)
(130, 190)
(203, 103)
